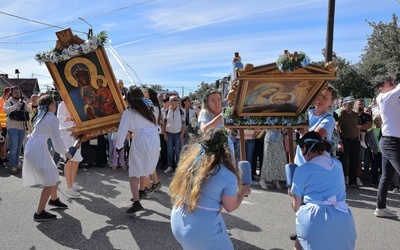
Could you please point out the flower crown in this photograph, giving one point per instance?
(217, 143)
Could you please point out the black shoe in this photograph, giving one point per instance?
(57, 203)
(5, 160)
(143, 194)
(1, 163)
(44, 216)
(293, 236)
(150, 190)
(156, 186)
(136, 206)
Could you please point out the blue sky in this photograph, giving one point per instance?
(179, 43)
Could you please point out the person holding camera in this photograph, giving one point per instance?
(17, 111)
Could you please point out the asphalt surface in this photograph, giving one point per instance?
(98, 220)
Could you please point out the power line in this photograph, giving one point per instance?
(59, 25)
(33, 21)
(28, 42)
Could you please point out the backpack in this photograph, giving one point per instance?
(180, 110)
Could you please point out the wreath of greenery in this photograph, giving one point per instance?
(264, 120)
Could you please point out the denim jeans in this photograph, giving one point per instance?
(390, 147)
(173, 146)
(249, 146)
(376, 167)
(16, 137)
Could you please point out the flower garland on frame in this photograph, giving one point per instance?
(264, 120)
(55, 56)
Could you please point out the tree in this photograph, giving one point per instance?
(156, 87)
(349, 81)
(382, 54)
(200, 92)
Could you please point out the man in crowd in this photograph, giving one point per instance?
(3, 125)
(173, 130)
(389, 105)
(366, 123)
(348, 124)
(16, 128)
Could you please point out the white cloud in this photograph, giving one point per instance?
(182, 42)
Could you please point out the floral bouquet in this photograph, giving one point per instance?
(55, 56)
(289, 62)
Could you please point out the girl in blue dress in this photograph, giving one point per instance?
(211, 115)
(323, 219)
(205, 182)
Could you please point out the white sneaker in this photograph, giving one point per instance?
(396, 190)
(359, 183)
(77, 187)
(72, 193)
(385, 213)
(263, 184)
(169, 169)
(346, 180)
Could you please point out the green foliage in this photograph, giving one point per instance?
(156, 87)
(382, 54)
(349, 81)
(265, 120)
(200, 92)
(286, 62)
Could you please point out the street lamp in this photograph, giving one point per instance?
(17, 73)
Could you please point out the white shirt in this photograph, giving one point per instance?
(389, 105)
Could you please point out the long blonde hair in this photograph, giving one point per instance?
(197, 164)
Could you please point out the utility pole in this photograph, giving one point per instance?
(329, 33)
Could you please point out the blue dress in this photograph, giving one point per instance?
(325, 121)
(206, 116)
(204, 228)
(325, 221)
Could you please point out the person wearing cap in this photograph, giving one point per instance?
(348, 127)
(389, 105)
(3, 125)
(173, 131)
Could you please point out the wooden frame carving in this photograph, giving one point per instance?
(89, 89)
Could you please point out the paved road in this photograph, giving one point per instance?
(98, 220)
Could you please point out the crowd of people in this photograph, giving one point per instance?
(346, 143)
